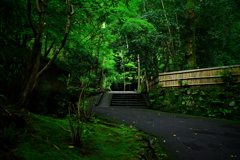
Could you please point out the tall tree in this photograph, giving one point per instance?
(35, 55)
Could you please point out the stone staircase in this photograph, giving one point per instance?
(132, 100)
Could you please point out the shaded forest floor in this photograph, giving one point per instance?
(46, 138)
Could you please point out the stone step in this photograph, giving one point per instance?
(128, 100)
(142, 107)
(130, 103)
(127, 97)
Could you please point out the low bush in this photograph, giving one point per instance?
(212, 101)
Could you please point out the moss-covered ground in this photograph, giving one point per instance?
(47, 138)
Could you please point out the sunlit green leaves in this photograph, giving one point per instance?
(137, 26)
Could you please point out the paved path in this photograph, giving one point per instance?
(183, 137)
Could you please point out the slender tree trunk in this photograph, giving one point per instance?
(139, 73)
(100, 82)
(165, 15)
(124, 76)
(179, 38)
(170, 44)
(190, 35)
(147, 82)
(166, 62)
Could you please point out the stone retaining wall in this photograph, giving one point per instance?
(211, 101)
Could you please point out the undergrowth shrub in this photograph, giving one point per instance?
(51, 102)
(77, 129)
(212, 101)
(12, 122)
(7, 141)
(80, 112)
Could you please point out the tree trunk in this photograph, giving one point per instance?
(64, 40)
(171, 47)
(124, 76)
(35, 54)
(33, 66)
(166, 62)
(139, 73)
(190, 35)
(101, 75)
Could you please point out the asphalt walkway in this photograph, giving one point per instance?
(183, 137)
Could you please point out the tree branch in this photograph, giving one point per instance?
(49, 49)
(57, 51)
(37, 5)
(30, 18)
(64, 129)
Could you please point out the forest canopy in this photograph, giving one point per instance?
(112, 42)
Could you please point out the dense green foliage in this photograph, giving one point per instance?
(213, 101)
(101, 45)
(106, 37)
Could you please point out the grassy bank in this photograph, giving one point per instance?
(48, 138)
